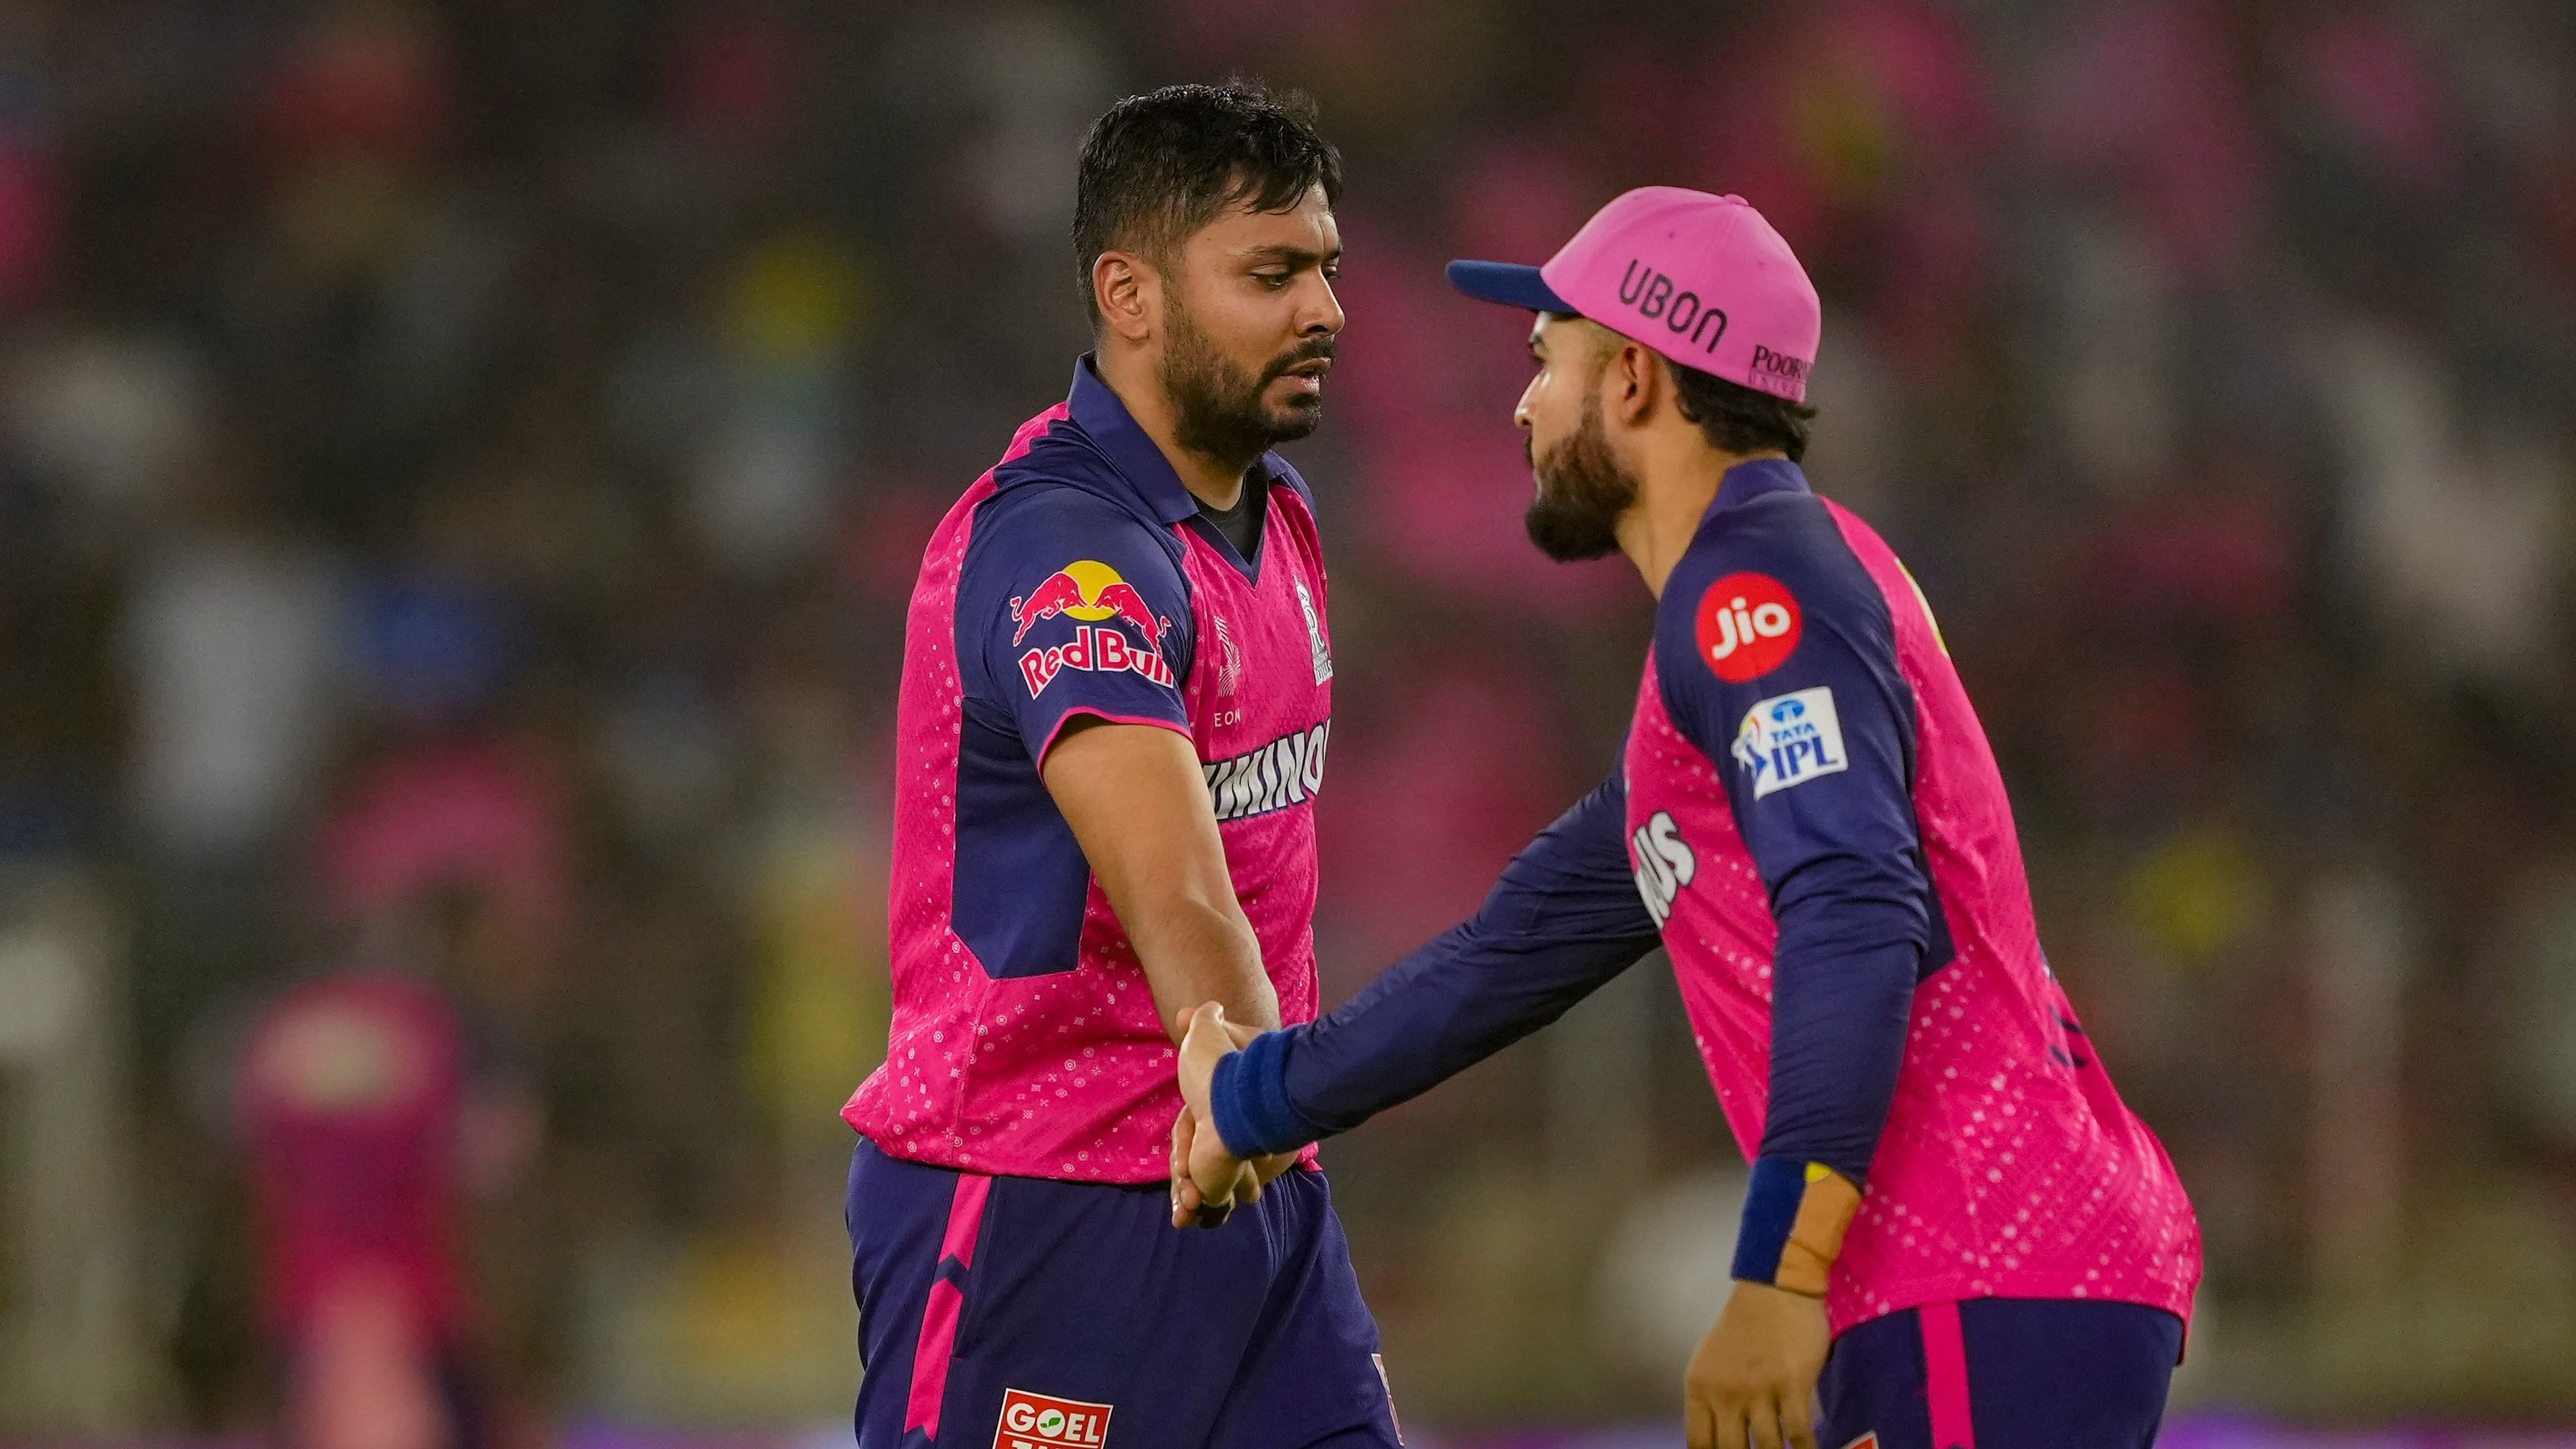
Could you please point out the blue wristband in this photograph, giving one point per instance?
(1249, 1098)
(1795, 1215)
(1770, 1211)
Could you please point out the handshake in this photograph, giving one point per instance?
(1208, 1181)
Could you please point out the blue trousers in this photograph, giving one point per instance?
(2001, 1373)
(1025, 1313)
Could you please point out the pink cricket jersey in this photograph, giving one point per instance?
(1801, 735)
(1077, 578)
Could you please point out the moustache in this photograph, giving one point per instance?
(1321, 349)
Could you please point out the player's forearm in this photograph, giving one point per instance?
(1835, 1059)
(1564, 918)
(1196, 950)
(1842, 997)
(1138, 806)
(1447, 1007)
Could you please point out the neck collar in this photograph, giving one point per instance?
(1757, 479)
(1104, 418)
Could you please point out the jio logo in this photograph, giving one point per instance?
(1748, 625)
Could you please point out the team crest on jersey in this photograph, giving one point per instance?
(1748, 625)
(1315, 635)
(1865, 1441)
(1036, 1421)
(1105, 605)
(1663, 864)
(1790, 739)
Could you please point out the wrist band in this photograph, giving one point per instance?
(1249, 1100)
(1795, 1214)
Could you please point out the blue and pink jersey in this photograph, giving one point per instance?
(1808, 817)
(1077, 578)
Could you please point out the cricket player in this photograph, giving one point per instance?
(1117, 689)
(1955, 1235)
(354, 1097)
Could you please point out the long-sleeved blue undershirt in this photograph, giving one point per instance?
(1839, 852)
(1563, 919)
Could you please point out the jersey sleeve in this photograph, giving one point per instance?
(1779, 663)
(1068, 604)
(1564, 918)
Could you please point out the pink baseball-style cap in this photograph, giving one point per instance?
(1701, 279)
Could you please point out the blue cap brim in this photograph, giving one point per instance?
(1509, 283)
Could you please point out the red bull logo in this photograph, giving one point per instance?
(1092, 593)
(1088, 590)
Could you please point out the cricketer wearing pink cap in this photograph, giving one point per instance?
(1807, 816)
(1702, 279)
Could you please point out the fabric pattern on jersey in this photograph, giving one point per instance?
(2000, 1169)
(1077, 578)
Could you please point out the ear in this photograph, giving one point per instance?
(1129, 294)
(1632, 381)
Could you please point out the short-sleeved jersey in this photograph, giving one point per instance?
(1804, 760)
(1077, 578)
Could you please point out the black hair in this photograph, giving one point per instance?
(1159, 166)
(1734, 418)
(1739, 419)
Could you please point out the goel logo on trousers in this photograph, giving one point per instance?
(1663, 863)
(1035, 1421)
(1093, 592)
(1748, 625)
(1790, 739)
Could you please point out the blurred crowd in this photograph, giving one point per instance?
(462, 464)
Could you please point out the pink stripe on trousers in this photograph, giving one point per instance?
(939, 1312)
(1945, 1376)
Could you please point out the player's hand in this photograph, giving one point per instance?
(1208, 1181)
(1752, 1385)
(1192, 1205)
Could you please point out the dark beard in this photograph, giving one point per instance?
(1217, 407)
(1581, 493)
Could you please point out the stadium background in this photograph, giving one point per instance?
(461, 467)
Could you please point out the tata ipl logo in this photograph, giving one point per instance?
(1094, 594)
(1790, 739)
